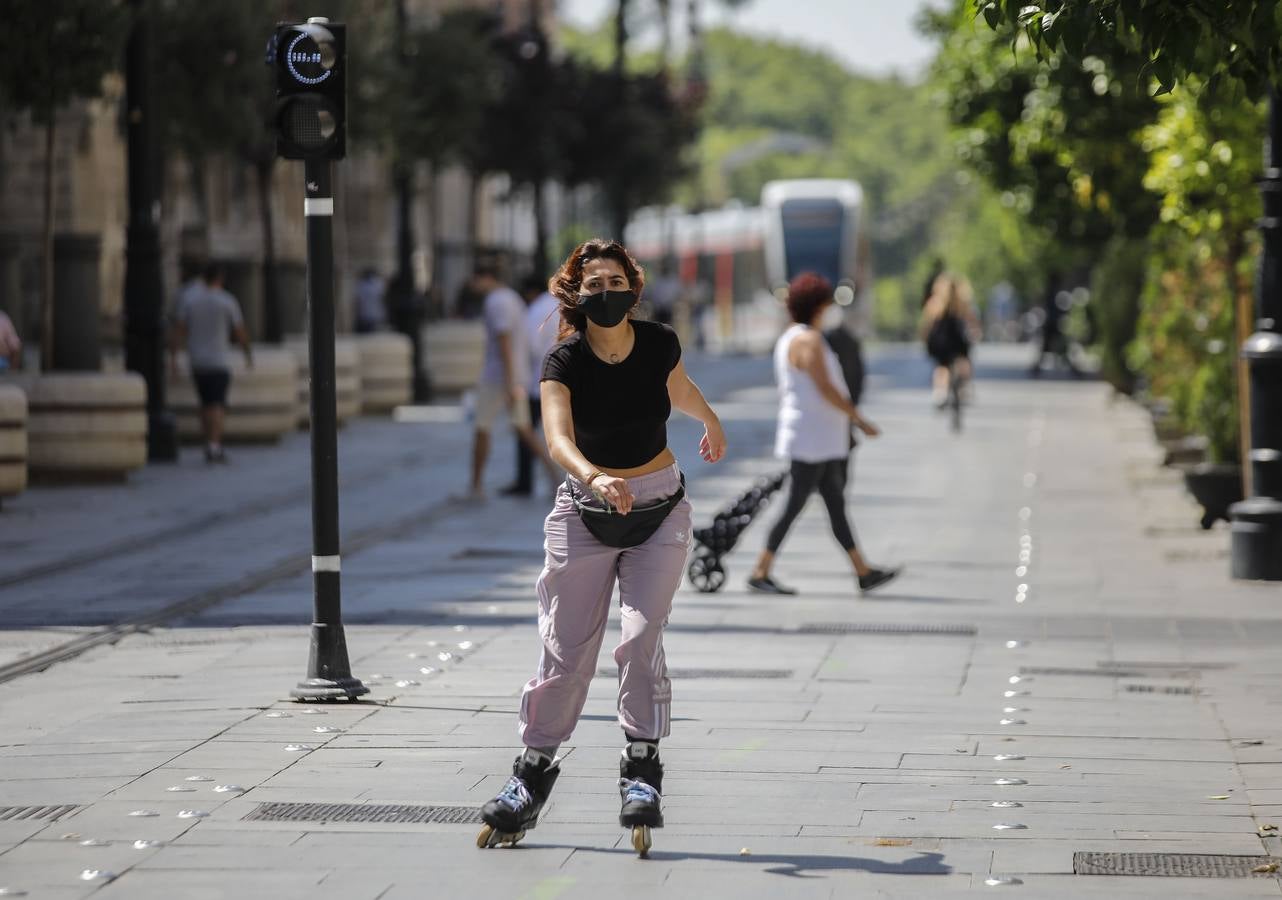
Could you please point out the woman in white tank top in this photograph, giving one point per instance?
(815, 415)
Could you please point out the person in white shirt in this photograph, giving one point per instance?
(204, 318)
(815, 415)
(504, 375)
(541, 324)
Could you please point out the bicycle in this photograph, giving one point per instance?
(956, 386)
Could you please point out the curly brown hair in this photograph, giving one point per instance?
(565, 284)
(806, 295)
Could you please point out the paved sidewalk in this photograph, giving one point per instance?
(823, 745)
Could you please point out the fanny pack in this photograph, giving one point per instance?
(614, 529)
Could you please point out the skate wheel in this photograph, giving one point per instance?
(641, 840)
(488, 837)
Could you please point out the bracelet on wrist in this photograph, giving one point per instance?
(593, 477)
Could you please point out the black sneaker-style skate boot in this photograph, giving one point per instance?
(516, 808)
(641, 787)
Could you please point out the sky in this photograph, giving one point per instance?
(870, 36)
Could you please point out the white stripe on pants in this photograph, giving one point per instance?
(574, 590)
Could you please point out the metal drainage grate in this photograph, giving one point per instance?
(364, 812)
(1177, 666)
(683, 674)
(28, 813)
(1158, 689)
(1187, 865)
(883, 628)
(1099, 673)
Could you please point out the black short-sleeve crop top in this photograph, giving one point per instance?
(620, 410)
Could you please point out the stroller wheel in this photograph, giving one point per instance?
(706, 574)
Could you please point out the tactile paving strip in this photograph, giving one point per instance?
(1186, 865)
(364, 812)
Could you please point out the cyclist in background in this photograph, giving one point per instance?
(947, 322)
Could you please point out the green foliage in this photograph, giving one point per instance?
(214, 91)
(54, 51)
(1202, 156)
(432, 104)
(1117, 282)
(1062, 137)
(1219, 40)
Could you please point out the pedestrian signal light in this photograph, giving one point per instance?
(310, 62)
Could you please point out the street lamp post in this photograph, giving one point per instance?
(1257, 520)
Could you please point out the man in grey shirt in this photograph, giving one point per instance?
(205, 318)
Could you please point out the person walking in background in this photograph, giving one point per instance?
(541, 326)
(947, 322)
(10, 344)
(370, 311)
(502, 387)
(608, 390)
(202, 322)
(813, 434)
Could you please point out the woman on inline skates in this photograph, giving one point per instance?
(607, 390)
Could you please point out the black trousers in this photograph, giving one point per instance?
(804, 478)
(524, 458)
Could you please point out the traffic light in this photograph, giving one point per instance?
(310, 60)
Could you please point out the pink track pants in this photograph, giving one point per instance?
(574, 590)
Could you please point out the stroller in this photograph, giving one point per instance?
(711, 544)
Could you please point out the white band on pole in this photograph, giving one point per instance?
(318, 206)
(325, 563)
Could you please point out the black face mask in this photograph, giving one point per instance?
(607, 308)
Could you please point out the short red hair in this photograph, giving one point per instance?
(807, 293)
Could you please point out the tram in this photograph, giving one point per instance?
(732, 265)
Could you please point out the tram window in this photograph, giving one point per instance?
(812, 235)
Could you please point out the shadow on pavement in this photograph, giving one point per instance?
(796, 865)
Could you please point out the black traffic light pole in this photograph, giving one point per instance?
(310, 127)
(329, 674)
(1257, 520)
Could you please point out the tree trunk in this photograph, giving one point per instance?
(1243, 322)
(273, 332)
(476, 180)
(620, 37)
(540, 229)
(46, 287)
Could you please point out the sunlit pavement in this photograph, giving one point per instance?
(1063, 668)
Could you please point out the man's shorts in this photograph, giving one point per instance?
(492, 402)
(211, 386)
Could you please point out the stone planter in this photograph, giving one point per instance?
(262, 403)
(1215, 486)
(1185, 451)
(13, 440)
(454, 352)
(85, 426)
(347, 378)
(387, 373)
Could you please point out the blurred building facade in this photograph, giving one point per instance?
(91, 211)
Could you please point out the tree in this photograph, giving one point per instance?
(217, 97)
(1224, 42)
(53, 52)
